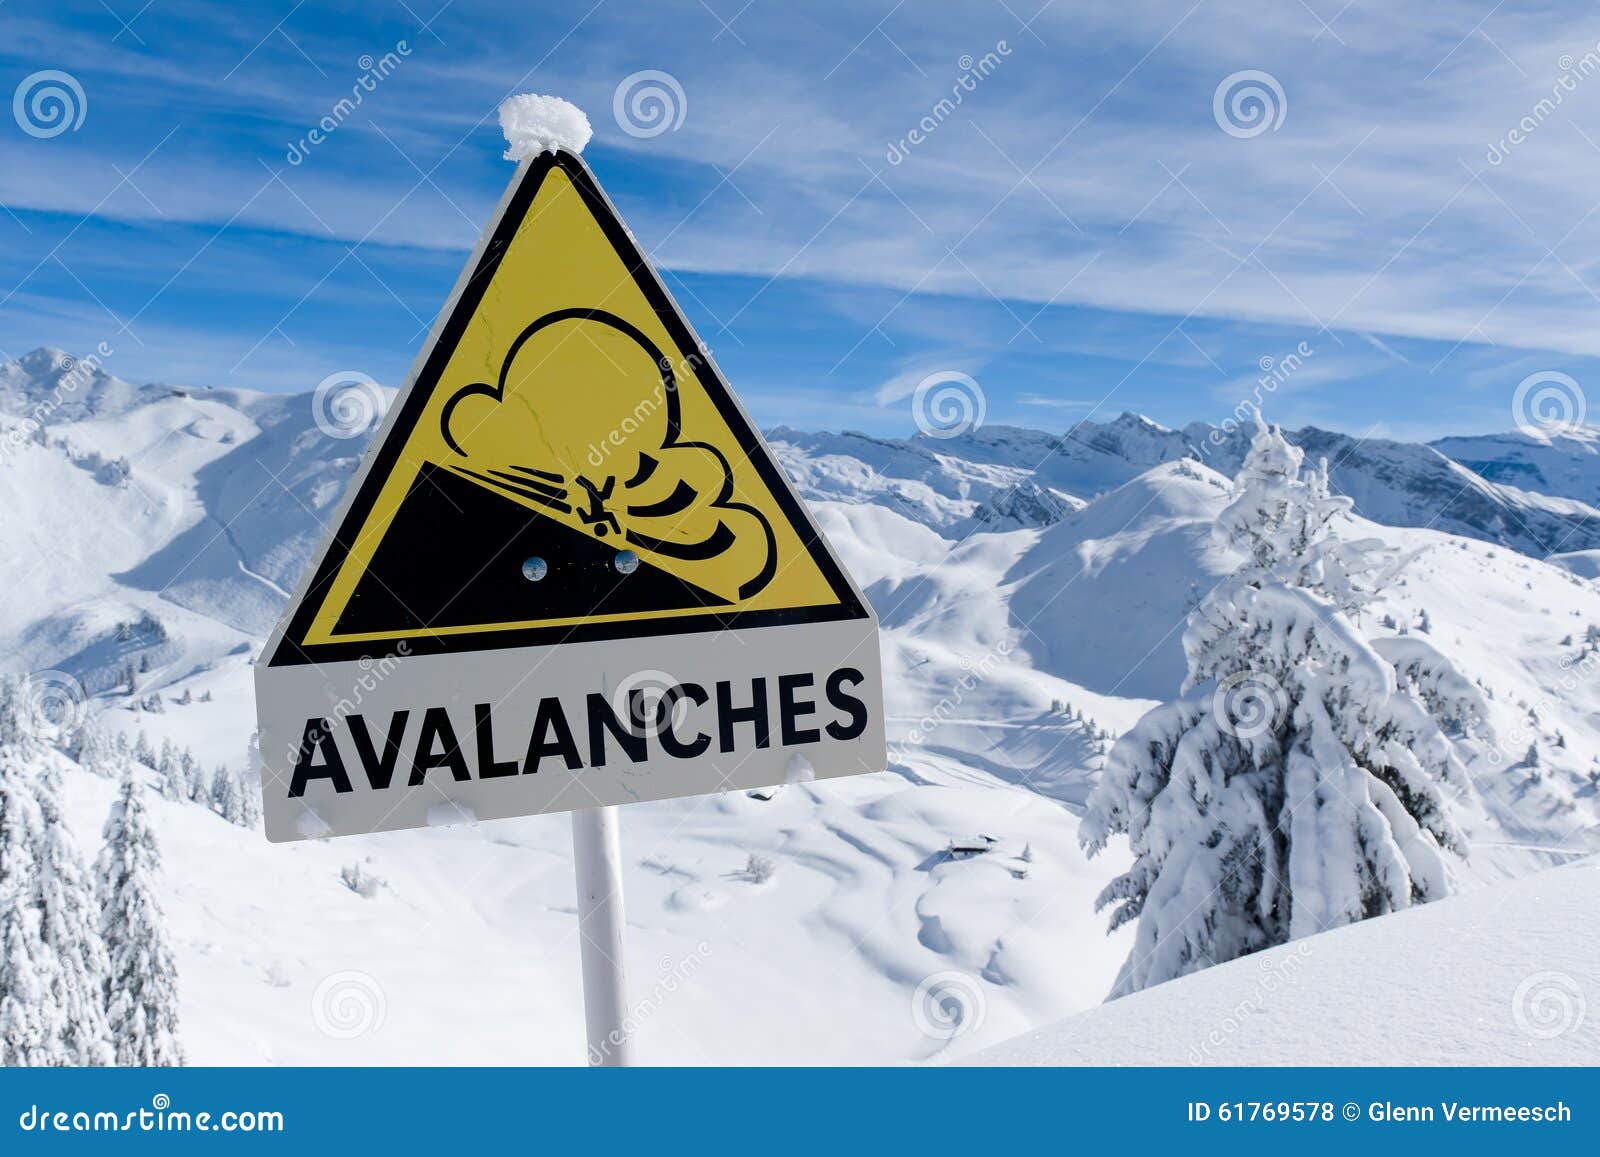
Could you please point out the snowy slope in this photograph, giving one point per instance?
(1583, 563)
(1494, 978)
(469, 947)
(1015, 644)
(1564, 463)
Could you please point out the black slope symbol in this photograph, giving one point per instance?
(452, 558)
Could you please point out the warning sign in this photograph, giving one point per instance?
(566, 490)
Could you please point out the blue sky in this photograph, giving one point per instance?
(1082, 233)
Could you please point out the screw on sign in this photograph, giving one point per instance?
(582, 574)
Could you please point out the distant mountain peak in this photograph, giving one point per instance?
(1129, 418)
(46, 359)
(47, 365)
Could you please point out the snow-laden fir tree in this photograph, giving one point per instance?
(31, 1025)
(1302, 781)
(195, 787)
(224, 796)
(169, 772)
(70, 919)
(142, 984)
(52, 1009)
(232, 798)
(250, 782)
(98, 752)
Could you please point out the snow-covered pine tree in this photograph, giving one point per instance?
(248, 787)
(169, 772)
(250, 782)
(195, 788)
(69, 925)
(1298, 784)
(142, 986)
(227, 796)
(31, 1026)
(96, 752)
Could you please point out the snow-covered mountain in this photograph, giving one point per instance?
(940, 481)
(1032, 589)
(1563, 463)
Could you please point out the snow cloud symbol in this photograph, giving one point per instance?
(1548, 404)
(1248, 103)
(948, 1004)
(1548, 1004)
(1249, 704)
(585, 422)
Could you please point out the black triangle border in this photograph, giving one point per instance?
(291, 652)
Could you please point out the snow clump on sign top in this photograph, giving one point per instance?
(536, 124)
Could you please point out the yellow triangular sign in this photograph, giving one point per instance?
(567, 465)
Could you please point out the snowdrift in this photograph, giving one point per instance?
(1498, 977)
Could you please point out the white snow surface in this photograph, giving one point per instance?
(1008, 649)
(1498, 977)
(535, 124)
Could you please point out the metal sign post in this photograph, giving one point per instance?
(597, 864)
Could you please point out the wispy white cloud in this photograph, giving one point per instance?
(1086, 171)
(903, 384)
(1057, 403)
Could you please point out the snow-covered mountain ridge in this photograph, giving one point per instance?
(1032, 589)
(1489, 496)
